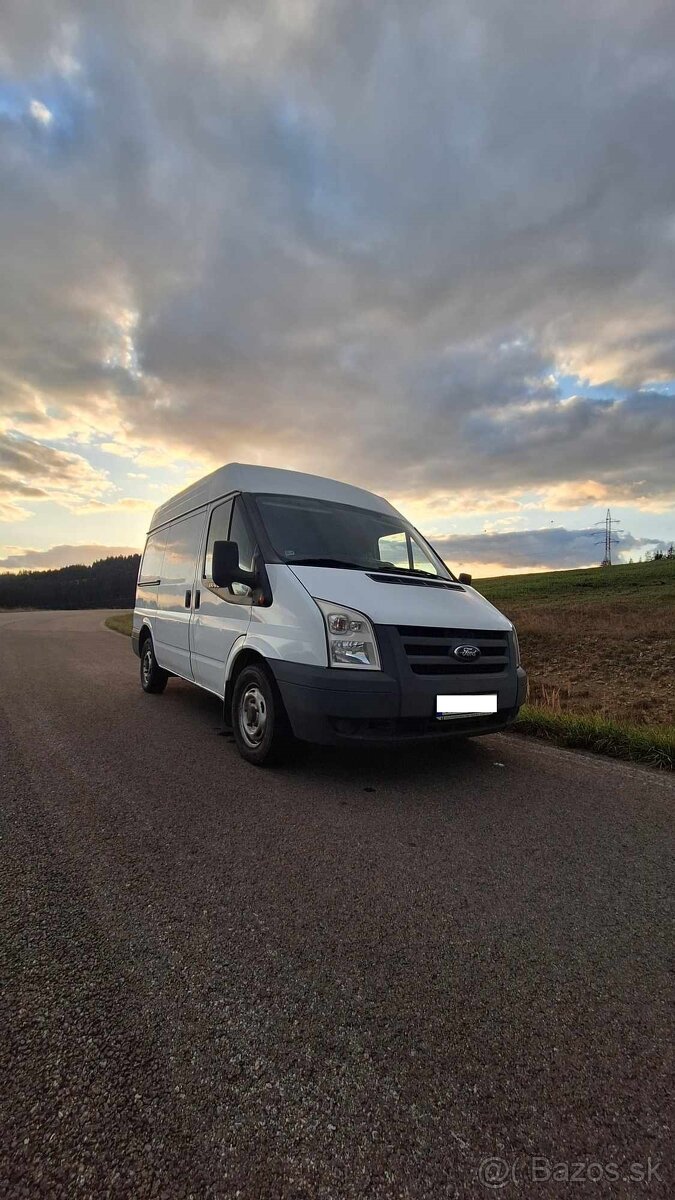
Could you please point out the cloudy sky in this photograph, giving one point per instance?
(428, 248)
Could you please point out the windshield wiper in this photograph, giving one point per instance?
(325, 562)
(388, 570)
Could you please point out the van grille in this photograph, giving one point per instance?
(430, 650)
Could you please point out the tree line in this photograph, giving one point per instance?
(108, 583)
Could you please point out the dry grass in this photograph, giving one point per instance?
(596, 641)
(616, 660)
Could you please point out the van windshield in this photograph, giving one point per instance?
(321, 533)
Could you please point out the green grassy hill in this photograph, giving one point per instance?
(638, 580)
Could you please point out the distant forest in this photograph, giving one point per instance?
(108, 583)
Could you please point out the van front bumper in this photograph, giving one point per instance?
(332, 706)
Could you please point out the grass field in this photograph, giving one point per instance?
(650, 744)
(643, 582)
(599, 641)
(599, 649)
(120, 622)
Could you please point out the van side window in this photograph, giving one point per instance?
(219, 531)
(241, 534)
(153, 557)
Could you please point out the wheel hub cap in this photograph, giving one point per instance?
(253, 721)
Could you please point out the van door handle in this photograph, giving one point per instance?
(198, 597)
(188, 597)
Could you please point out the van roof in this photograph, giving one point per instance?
(239, 477)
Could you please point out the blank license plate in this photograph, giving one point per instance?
(465, 706)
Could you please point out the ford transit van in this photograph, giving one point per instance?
(314, 610)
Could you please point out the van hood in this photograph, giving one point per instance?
(393, 600)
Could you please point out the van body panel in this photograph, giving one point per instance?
(150, 573)
(292, 628)
(396, 600)
(171, 626)
(146, 598)
(139, 621)
(318, 700)
(236, 649)
(237, 477)
(219, 619)
(217, 625)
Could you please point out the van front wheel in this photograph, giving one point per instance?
(259, 723)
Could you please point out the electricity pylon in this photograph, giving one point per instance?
(608, 539)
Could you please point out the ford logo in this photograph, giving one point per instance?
(466, 653)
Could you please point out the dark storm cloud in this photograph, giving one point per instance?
(30, 470)
(629, 442)
(351, 238)
(28, 458)
(551, 547)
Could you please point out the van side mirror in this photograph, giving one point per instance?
(225, 567)
(464, 578)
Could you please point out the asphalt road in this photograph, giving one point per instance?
(361, 975)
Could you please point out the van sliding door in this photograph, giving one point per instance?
(176, 594)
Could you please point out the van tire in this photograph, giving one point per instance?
(153, 677)
(259, 723)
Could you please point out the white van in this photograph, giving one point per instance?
(314, 610)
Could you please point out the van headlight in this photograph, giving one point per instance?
(516, 646)
(351, 638)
